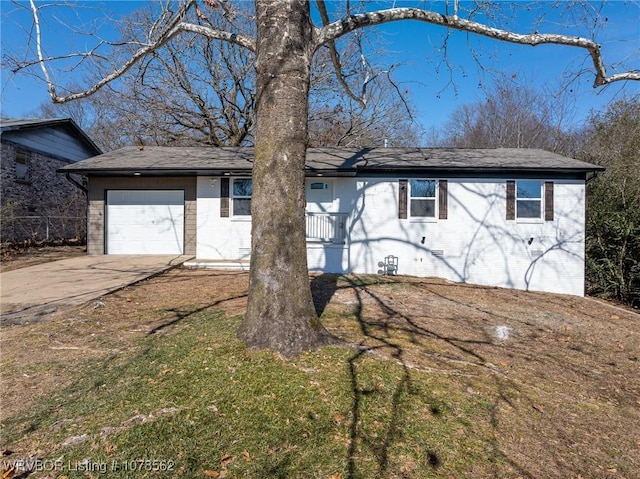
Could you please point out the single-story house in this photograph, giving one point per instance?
(503, 217)
(37, 203)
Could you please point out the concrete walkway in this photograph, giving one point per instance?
(29, 294)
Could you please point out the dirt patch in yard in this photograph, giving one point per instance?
(17, 257)
(561, 373)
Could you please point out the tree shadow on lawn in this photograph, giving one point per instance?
(180, 315)
(451, 338)
(381, 339)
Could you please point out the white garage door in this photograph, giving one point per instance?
(145, 222)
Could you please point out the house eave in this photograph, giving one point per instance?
(360, 172)
(332, 162)
(126, 172)
(155, 172)
(498, 172)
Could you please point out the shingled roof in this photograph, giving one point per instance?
(156, 160)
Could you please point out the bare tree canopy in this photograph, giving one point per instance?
(197, 91)
(169, 24)
(511, 116)
(280, 313)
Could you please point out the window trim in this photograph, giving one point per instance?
(546, 200)
(539, 200)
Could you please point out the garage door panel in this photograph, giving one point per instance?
(146, 198)
(145, 222)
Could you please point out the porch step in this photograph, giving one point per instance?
(218, 264)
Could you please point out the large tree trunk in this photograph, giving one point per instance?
(280, 314)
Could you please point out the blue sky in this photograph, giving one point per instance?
(414, 47)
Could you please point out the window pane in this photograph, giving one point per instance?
(242, 187)
(529, 208)
(22, 165)
(22, 171)
(423, 188)
(423, 208)
(319, 186)
(241, 207)
(529, 189)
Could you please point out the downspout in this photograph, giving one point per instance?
(76, 183)
(588, 179)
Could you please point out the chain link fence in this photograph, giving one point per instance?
(42, 228)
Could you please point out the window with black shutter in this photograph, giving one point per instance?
(423, 199)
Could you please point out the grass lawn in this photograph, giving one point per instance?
(433, 380)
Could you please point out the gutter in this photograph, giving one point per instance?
(591, 178)
(72, 180)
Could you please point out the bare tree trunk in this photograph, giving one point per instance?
(280, 314)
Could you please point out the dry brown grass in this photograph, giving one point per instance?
(560, 372)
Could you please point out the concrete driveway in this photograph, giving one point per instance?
(30, 294)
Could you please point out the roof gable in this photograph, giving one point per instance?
(57, 137)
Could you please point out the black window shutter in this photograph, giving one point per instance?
(511, 200)
(443, 212)
(402, 198)
(224, 197)
(548, 201)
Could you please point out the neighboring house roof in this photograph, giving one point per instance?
(154, 160)
(26, 132)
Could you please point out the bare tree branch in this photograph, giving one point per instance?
(325, 35)
(353, 22)
(335, 58)
(173, 28)
(34, 10)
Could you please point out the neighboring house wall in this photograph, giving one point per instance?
(98, 187)
(54, 141)
(34, 189)
(476, 243)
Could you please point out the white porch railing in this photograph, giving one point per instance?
(327, 227)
